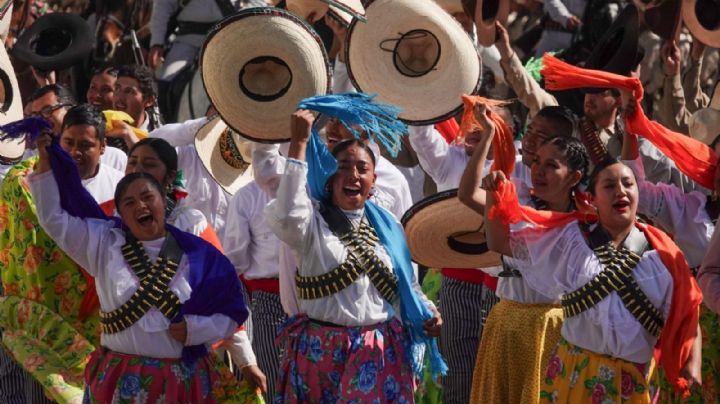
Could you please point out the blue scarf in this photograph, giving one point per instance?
(351, 109)
(212, 277)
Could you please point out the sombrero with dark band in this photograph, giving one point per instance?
(54, 41)
(257, 65)
(441, 232)
(11, 109)
(414, 55)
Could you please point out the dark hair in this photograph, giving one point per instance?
(63, 94)
(125, 182)
(166, 153)
(574, 151)
(346, 144)
(86, 114)
(599, 168)
(144, 76)
(105, 69)
(562, 117)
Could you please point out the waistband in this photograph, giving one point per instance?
(268, 285)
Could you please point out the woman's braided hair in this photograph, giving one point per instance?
(575, 153)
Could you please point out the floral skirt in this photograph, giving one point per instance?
(329, 364)
(516, 345)
(576, 375)
(112, 377)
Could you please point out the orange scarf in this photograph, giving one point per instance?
(502, 144)
(676, 340)
(694, 158)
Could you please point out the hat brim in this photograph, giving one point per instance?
(617, 50)
(256, 33)
(425, 98)
(443, 233)
(10, 107)
(74, 29)
(706, 35)
(207, 145)
(664, 19)
(485, 24)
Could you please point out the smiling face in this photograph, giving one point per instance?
(615, 195)
(144, 159)
(354, 178)
(538, 131)
(101, 91)
(142, 209)
(129, 98)
(82, 144)
(551, 175)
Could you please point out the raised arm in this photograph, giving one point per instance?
(497, 233)
(470, 193)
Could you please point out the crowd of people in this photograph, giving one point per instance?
(376, 201)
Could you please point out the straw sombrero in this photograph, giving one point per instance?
(257, 65)
(225, 155)
(702, 17)
(54, 41)
(414, 55)
(313, 10)
(443, 233)
(487, 12)
(10, 109)
(704, 124)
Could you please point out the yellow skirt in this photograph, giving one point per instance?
(576, 375)
(516, 344)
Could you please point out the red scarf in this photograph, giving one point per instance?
(694, 158)
(502, 144)
(677, 337)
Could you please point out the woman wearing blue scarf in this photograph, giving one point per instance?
(364, 322)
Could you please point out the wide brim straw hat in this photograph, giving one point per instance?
(441, 232)
(11, 108)
(227, 157)
(704, 124)
(702, 18)
(487, 12)
(414, 55)
(54, 41)
(257, 65)
(313, 10)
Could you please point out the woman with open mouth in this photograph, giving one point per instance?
(165, 295)
(362, 313)
(626, 290)
(559, 166)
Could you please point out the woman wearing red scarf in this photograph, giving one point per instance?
(499, 376)
(627, 292)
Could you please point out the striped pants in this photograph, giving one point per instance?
(464, 307)
(267, 316)
(16, 385)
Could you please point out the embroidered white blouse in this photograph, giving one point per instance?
(559, 261)
(96, 246)
(294, 218)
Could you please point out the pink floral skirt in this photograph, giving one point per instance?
(112, 377)
(329, 364)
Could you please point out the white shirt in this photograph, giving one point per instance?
(559, 261)
(681, 214)
(102, 185)
(96, 246)
(444, 162)
(204, 194)
(114, 158)
(294, 218)
(249, 242)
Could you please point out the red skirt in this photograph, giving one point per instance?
(114, 377)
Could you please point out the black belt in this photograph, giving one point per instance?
(196, 28)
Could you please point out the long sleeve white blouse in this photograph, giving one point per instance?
(96, 246)
(681, 214)
(559, 261)
(294, 218)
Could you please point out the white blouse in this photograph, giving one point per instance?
(681, 214)
(294, 218)
(559, 261)
(96, 246)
